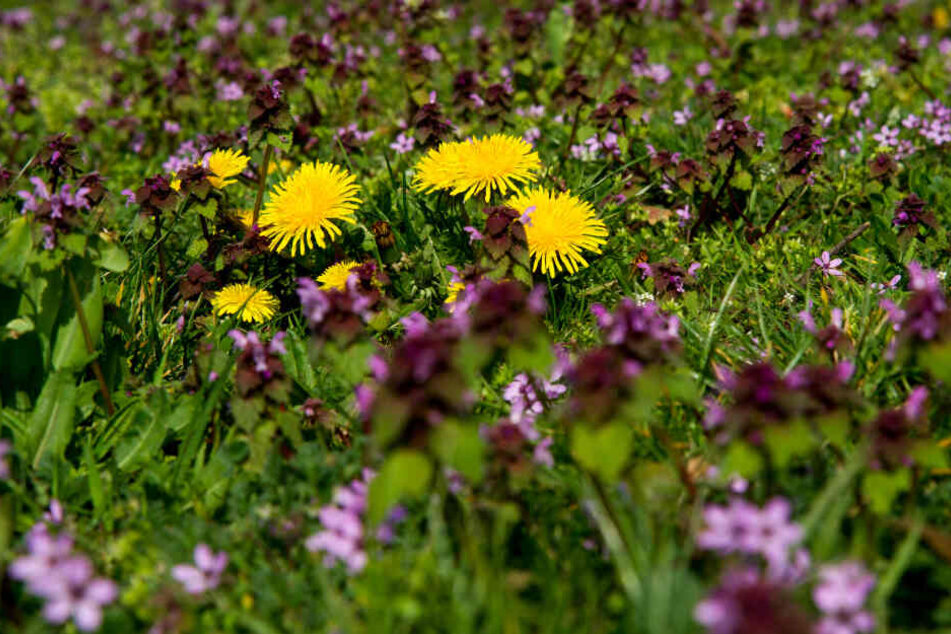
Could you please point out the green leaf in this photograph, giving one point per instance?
(460, 447)
(96, 489)
(881, 488)
(785, 442)
(15, 248)
(112, 257)
(147, 429)
(558, 32)
(937, 360)
(535, 354)
(51, 424)
(929, 454)
(742, 180)
(405, 473)
(741, 458)
(835, 428)
(604, 450)
(196, 248)
(69, 350)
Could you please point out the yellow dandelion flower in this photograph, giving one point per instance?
(438, 169)
(336, 275)
(302, 208)
(245, 301)
(454, 289)
(498, 162)
(558, 229)
(245, 217)
(224, 164)
(176, 184)
(478, 167)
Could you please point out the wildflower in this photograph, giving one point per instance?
(881, 287)
(745, 602)
(910, 212)
(302, 208)
(246, 302)
(494, 163)
(559, 229)
(840, 595)
(641, 333)
(681, 117)
(52, 571)
(72, 592)
(342, 519)
(827, 265)
(453, 291)
(403, 143)
(669, 277)
(335, 276)
(926, 312)
(224, 164)
(205, 575)
(342, 313)
(230, 91)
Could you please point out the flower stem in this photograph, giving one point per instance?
(262, 181)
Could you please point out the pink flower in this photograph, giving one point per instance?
(205, 575)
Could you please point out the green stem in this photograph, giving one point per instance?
(262, 182)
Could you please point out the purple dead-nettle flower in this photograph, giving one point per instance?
(741, 527)
(840, 596)
(474, 234)
(206, 574)
(277, 25)
(259, 351)
(732, 528)
(776, 534)
(404, 143)
(431, 53)
(386, 532)
(828, 265)
(230, 91)
(342, 520)
(532, 135)
(746, 602)
(887, 136)
(45, 552)
(642, 331)
(74, 592)
(681, 117)
(64, 579)
(882, 287)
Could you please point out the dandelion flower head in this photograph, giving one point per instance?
(477, 167)
(246, 302)
(224, 165)
(336, 275)
(302, 209)
(559, 229)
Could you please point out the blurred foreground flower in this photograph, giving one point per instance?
(205, 575)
